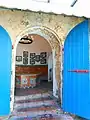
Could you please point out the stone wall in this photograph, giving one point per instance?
(16, 21)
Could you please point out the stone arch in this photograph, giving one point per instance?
(55, 43)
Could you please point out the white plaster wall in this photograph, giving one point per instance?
(55, 87)
(38, 45)
(50, 65)
(62, 2)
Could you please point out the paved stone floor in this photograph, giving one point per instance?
(37, 104)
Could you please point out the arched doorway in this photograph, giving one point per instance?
(76, 81)
(53, 40)
(5, 71)
(33, 71)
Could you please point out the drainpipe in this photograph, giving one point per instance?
(74, 2)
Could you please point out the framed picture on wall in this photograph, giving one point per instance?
(25, 53)
(18, 58)
(32, 55)
(25, 61)
(43, 54)
(37, 58)
(43, 61)
(32, 61)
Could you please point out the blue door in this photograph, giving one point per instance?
(76, 82)
(5, 72)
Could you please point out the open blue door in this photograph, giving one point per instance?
(76, 89)
(5, 72)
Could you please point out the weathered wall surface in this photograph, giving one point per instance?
(17, 21)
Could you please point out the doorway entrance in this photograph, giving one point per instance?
(53, 41)
(34, 68)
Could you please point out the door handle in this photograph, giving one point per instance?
(79, 71)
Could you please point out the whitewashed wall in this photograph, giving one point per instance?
(38, 45)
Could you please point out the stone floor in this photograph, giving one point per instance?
(43, 87)
(37, 104)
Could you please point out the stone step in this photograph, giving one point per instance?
(33, 100)
(38, 108)
(33, 96)
(39, 117)
(38, 113)
(44, 117)
(35, 104)
(41, 114)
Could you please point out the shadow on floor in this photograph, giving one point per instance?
(43, 87)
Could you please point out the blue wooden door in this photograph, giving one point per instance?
(76, 82)
(5, 72)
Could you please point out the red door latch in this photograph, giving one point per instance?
(79, 71)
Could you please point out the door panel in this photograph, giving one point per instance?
(76, 83)
(5, 72)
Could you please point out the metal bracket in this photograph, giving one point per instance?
(74, 2)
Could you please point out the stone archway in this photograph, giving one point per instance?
(55, 44)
